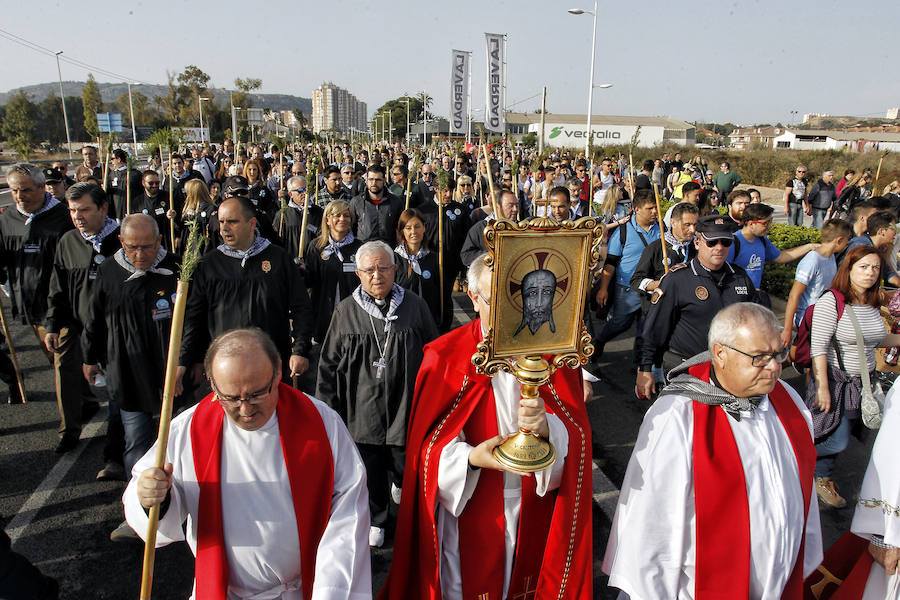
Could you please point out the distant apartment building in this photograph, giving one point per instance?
(336, 109)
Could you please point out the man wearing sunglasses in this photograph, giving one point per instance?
(718, 492)
(687, 299)
(268, 480)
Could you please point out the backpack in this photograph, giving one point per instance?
(800, 350)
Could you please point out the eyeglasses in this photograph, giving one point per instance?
(235, 401)
(766, 222)
(761, 360)
(800, 172)
(370, 272)
(299, 190)
(427, 174)
(726, 242)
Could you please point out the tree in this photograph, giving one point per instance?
(172, 103)
(143, 112)
(92, 104)
(397, 110)
(529, 140)
(50, 123)
(241, 98)
(192, 83)
(20, 125)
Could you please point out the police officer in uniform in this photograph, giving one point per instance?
(688, 298)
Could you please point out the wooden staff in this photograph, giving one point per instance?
(306, 213)
(409, 182)
(490, 178)
(441, 252)
(106, 171)
(877, 175)
(171, 203)
(631, 178)
(12, 352)
(188, 263)
(128, 188)
(662, 229)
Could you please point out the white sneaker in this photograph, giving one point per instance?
(395, 494)
(376, 537)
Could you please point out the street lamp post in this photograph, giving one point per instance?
(63, 98)
(406, 100)
(587, 137)
(133, 128)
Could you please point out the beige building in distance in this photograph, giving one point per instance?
(336, 109)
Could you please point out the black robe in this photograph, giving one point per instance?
(287, 225)
(156, 208)
(375, 409)
(427, 285)
(456, 225)
(75, 271)
(267, 292)
(127, 329)
(27, 253)
(118, 191)
(330, 281)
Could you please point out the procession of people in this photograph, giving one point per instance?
(326, 400)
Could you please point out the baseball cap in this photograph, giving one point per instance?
(709, 172)
(52, 175)
(715, 227)
(235, 184)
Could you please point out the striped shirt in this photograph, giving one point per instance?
(825, 326)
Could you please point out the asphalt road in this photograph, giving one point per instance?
(60, 517)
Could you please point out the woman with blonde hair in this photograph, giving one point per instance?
(260, 195)
(330, 265)
(198, 205)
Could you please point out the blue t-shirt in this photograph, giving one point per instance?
(753, 255)
(634, 247)
(815, 272)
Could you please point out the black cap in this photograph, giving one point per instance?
(52, 175)
(235, 184)
(715, 227)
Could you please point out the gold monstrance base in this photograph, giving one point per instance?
(526, 451)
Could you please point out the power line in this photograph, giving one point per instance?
(67, 59)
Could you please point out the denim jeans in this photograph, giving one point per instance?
(818, 215)
(626, 309)
(138, 436)
(828, 449)
(795, 213)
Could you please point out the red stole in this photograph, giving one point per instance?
(482, 525)
(441, 407)
(723, 512)
(308, 460)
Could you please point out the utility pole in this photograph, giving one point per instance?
(63, 98)
(133, 129)
(543, 113)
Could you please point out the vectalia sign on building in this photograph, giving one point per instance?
(568, 134)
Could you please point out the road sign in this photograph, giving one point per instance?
(254, 116)
(108, 122)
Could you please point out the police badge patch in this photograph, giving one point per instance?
(701, 292)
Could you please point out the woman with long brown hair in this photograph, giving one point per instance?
(835, 389)
(417, 268)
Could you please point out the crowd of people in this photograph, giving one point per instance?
(320, 322)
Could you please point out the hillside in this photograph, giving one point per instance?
(839, 122)
(110, 92)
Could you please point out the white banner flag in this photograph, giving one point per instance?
(459, 92)
(494, 119)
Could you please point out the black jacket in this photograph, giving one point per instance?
(650, 266)
(26, 254)
(371, 222)
(679, 319)
(75, 271)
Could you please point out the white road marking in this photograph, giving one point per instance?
(41, 495)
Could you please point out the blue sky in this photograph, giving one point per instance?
(745, 62)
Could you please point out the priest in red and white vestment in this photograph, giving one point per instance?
(466, 527)
(269, 481)
(717, 500)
